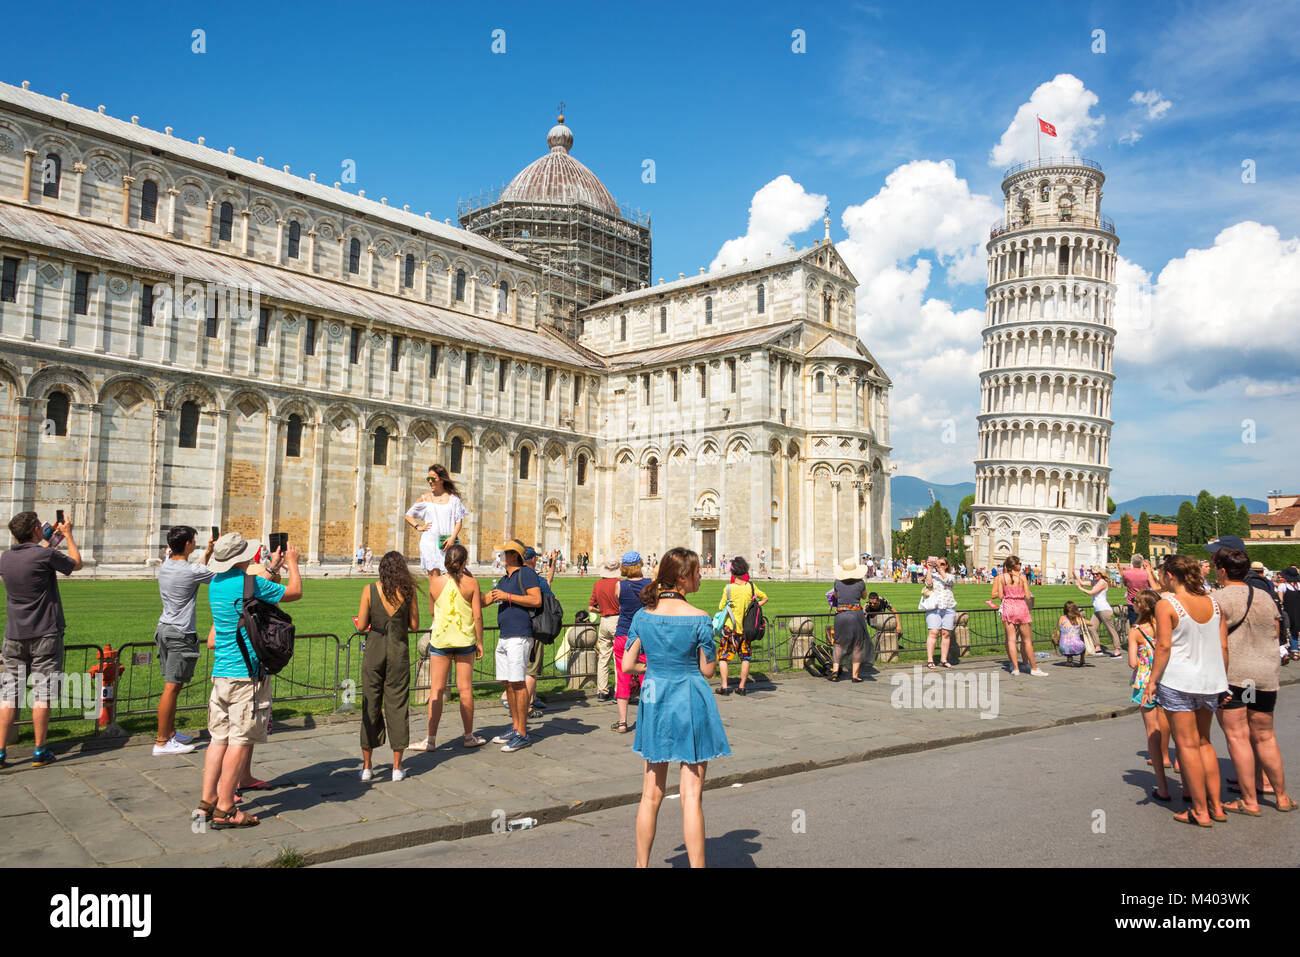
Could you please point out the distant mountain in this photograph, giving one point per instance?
(1168, 505)
(909, 495)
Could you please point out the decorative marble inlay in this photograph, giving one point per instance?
(104, 169)
(51, 273)
(6, 144)
(118, 286)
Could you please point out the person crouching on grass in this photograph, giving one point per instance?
(177, 635)
(389, 612)
(1070, 630)
(240, 705)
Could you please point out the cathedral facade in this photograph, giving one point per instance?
(192, 337)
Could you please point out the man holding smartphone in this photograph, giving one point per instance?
(34, 624)
(177, 635)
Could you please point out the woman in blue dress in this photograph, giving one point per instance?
(677, 718)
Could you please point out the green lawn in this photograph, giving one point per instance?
(123, 613)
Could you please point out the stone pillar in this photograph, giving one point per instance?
(1074, 540)
(311, 250)
(209, 237)
(451, 286)
(245, 237)
(271, 470)
(370, 265)
(157, 450)
(221, 416)
(398, 271)
(399, 450)
(857, 518)
(79, 172)
(1042, 563)
(1015, 543)
(90, 492)
(343, 266)
(359, 491)
(318, 433)
(126, 199)
(28, 156)
(279, 242)
(511, 481)
(171, 211)
(835, 521)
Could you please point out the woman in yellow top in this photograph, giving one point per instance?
(740, 592)
(457, 633)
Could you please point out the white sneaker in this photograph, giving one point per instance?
(1038, 673)
(181, 738)
(398, 774)
(367, 774)
(171, 747)
(504, 737)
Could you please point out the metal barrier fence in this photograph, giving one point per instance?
(327, 668)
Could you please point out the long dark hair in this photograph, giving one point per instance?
(455, 558)
(395, 579)
(739, 567)
(445, 476)
(674, 565)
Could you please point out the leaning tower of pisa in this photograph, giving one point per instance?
(1043, 471)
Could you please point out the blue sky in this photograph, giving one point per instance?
(891, 115)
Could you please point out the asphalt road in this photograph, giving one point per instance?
(1070, 796)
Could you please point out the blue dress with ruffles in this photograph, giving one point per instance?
(677, 718)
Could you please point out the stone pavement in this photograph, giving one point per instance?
(121, 806)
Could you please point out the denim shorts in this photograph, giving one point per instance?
(940, 619)
(452, 652)
(1173, 700)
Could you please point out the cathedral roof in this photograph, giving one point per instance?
(696, 348)
(130, 250)
(832, 348)
(559, 178)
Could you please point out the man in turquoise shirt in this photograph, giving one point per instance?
(241, 700)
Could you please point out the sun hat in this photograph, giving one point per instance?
(230, 550)
(850, 569)
(516, 546)
(631, 558)
(612, 565)
(1257, 567)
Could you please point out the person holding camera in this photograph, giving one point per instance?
(34, 623)
(940, 608)
(177, 634)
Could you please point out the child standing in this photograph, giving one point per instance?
(1141, 654)
(1070, 628)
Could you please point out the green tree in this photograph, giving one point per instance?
(1243, 522)
(1143, 544)
(1204, 517)
(1186, 527)
(1110, 505)
(1125, 538)
(1227, 517)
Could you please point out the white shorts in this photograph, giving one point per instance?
(512, 658)
(940, 619)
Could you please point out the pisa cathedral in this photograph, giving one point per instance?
(1043, 475)
(187, 336)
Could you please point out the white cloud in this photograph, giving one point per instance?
(1065, 103)
(1156, 105)
(1131, 137)
(778, 211)
(1226, 313)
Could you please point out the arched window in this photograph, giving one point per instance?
(381, 446)
(460, 285)
(582, 469)
(663, 318)
(295, 238)
(408, 271)
(523, 462)
(652, 477)
(52, 175)
(226, 223)
(189, 425)
(503, 296)
(293, 442)
(457, 454)
(821, 382)
(826, 307)
(354, 256)
(149, 202)
(1045, 193)
(56, 414)
(708, 310)
(762, 299)
(622, 328)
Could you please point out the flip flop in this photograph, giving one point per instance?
(1155, 793)
(420, 746)
(1236, 807)
(255, 786)
(1190, 820)
(1290, 805)
(473, 742)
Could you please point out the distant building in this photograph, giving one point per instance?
(1164, 538)
(1282, 520)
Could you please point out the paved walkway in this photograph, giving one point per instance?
(121, 806)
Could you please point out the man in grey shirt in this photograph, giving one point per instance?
(177, 635)
(33, 642)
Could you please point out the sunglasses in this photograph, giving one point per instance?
(432, 480)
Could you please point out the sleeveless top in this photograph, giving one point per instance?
(453, 619)
(1195, 656)
(394, 625)
(1146, 652)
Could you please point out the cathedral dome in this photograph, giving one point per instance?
(559, 178)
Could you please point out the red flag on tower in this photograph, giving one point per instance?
(1046, 127)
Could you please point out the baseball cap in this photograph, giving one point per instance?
(1227, 541)
(631, 558)
(530, 553)
(1258, 567)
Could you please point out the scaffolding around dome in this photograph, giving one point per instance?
(559, 214)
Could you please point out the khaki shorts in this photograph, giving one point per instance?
(41, 659)
(238, 711)
(536, 658)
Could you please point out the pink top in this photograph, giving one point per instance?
(1137, 580)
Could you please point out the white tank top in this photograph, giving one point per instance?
(1195, 656)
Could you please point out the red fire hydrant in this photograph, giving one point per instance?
(110, 668)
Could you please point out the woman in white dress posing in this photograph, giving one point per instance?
(437, 516)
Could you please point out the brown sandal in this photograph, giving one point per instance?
(204, 810)
(221, 820)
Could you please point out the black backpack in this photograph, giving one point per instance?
(547, 618)
(754, 624)
(269, 629)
